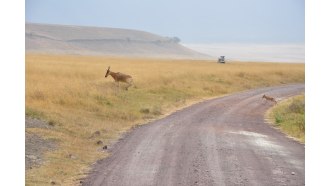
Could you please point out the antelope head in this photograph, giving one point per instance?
(108, 72)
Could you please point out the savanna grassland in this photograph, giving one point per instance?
(72, 94)
(289, 117)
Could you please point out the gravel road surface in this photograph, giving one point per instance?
(223, 141)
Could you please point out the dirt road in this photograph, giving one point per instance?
(224, 141)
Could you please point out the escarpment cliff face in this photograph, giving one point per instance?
(83, 40)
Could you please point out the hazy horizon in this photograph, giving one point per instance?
(268, 30)
(291, 53)
(193, 21)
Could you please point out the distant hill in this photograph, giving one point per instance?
(83, 40)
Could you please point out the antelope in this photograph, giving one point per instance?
(269, 98)
(120, 77)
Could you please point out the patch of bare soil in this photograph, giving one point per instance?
(35, 146)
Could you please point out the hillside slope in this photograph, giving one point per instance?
(83, 40)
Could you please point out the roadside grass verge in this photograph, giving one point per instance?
(289, 117)
(71, 93)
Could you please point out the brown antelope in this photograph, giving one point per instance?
(269, 98)
(120, 77)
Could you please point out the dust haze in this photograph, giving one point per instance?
(292, 53)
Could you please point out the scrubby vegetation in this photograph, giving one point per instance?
(289, 116)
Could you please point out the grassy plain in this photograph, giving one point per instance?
(72, 94)
(289, 117)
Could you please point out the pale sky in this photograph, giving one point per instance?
(193, 21)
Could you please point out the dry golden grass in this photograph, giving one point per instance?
(289, 117)
(72, 93)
